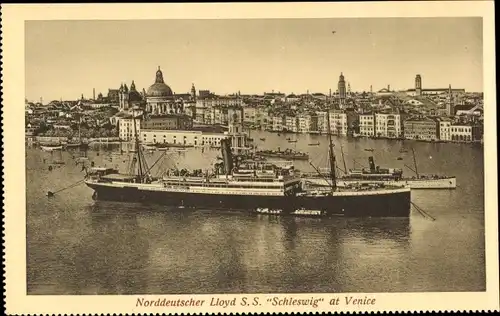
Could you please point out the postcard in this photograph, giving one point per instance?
(271, 157)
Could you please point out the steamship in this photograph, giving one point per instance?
(236, 184)
(387, 176)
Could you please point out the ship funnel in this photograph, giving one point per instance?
(226, 155)
(371, 162)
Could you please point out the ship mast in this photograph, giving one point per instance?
(343, 158)
(415, 162)
(331, 154)
(138, 148)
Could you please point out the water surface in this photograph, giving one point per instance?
(79, 246)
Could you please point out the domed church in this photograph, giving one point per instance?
(160, 98)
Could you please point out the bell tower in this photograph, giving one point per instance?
(418, 85)
(193, 92)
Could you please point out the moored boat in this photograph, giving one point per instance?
(386, 176)
(286, 154)
(51, 147)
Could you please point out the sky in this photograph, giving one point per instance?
(65, 59)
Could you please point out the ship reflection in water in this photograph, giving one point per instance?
(79, 246)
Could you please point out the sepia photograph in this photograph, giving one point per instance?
(318, 155)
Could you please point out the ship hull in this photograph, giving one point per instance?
(444, 183)
(387, 203)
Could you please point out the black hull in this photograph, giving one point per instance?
(370, 205)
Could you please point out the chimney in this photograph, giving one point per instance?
(388, 87)
(93, 93)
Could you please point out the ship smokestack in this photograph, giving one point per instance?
(371, 162)
(226, 155)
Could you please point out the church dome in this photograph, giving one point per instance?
(159, 88)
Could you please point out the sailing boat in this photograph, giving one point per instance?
(78, 143)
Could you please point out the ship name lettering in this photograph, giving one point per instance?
(350, 300)
(223, 303)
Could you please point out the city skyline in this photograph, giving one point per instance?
(67, 58)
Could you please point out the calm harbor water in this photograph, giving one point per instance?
(76, 245)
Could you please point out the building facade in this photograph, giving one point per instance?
(367, 125)
(466, 132)
(421, 128)
(291, 124)
(126, 127)
(338, 123)
(387, 125)
(168, 122)
(196, 138)
(444, 130)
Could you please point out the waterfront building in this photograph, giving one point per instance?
(338, 122)
(277, 123)
(322, 120)
(249, 114)
(313, 123)
(179, 137)
(444, 131)
(291, 123)
(196, 138)
(126, 126)
(262, 116)
(387, 125)
(423, 128)
(168, 122)
(304, 123)
(466, 132)
(367, 125)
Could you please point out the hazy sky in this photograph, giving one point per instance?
(68, 58)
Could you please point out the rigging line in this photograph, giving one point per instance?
(161, 156)
(50, 193)
(422, 212)
(320, 174)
